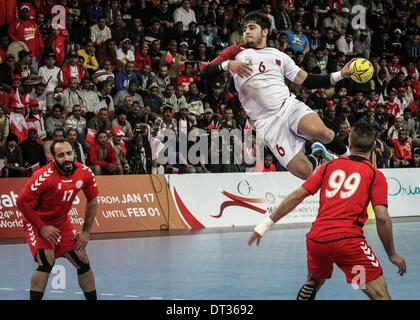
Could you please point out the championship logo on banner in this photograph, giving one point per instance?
(230, 199)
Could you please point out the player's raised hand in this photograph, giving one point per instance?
(254, 237)
(345, 72)
(50, 233)
(240, 68)
(400, 263)
(82, 240)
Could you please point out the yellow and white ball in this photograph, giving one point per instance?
(362, 70)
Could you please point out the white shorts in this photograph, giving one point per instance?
(280, 131)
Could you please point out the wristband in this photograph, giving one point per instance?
(264, 226)
(336, 76)
(225, 65)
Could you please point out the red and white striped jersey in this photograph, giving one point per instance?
(47, 196)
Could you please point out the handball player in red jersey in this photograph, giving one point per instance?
(45, 202)
(346, 185)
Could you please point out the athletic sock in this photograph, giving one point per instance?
(313, 160)
(35, 295)
(338, 147)
(91, 295)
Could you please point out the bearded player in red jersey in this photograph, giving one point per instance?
(346, 186)
(45, 202)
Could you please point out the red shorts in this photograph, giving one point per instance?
(66, 242)
(352, 255)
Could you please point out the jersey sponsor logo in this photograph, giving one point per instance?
(79, 184)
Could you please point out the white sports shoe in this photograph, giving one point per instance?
(318, 150)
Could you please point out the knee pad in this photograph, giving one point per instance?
(46, 266)
(82, 266)
(307, 292)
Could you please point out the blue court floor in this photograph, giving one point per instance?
(208, 266)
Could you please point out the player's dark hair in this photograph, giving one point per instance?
(52, 148)
(362, 137)
(258, 18)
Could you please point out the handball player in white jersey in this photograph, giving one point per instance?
(259, 73)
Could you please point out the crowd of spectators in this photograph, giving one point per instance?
(112, 75)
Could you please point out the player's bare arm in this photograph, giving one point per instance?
(313, 81)
(285, 207)
(84, 236)
(384, 229)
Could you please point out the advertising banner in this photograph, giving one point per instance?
(403, 191)
(239, 199)
(232, 199)
(125, 203)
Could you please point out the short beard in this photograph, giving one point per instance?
(255, 44)
(64, 170)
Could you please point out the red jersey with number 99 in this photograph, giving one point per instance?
(48, 196)
(346, 185)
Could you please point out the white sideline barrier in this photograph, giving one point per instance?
(243, 199)
(403, 191)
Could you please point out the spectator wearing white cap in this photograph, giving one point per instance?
(120, 150)
(26, 30)
(125, 54)
(362, 45)
(343, 19)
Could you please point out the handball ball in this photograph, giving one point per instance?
(362, 70)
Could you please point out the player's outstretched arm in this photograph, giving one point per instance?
(315, 81)
(84, 236)
(286, 206)
(384, 229)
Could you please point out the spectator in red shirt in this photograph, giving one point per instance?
(102, 156)
(267, 165)
(142, 57)
(391, 105)
(394, 66)
(402, 148)
(71, 69)
(26, 30)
